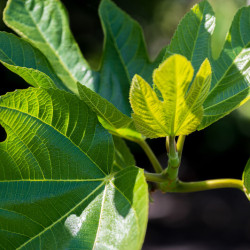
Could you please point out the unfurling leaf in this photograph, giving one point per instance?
(180, 112)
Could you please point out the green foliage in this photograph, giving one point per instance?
(60, 179)
(110, 117)
(180, 112)
(123, 156)
(66, 182)
(192, 38)
(124, 48)
(45, 25)
(28, 62)
(230, 81)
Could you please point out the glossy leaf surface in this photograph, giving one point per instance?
(28, 62)
(59, 186)
(44, 23)
(124, 55)
(110, 117)
(230, 86)
(181, 110)
(231, 72)
(123, 156)
(192, 38)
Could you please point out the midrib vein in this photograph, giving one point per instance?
(49, 125)
(61, 218)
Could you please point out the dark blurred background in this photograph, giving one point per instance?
(218, 219)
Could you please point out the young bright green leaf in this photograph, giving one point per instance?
(44, 23)
(246, 179)
(192, 38)
(231, 72)
(110, 117)
(180, 112)
(28, 62)
(59, 188)
(172, 78)
(148, 114)
(192, 112)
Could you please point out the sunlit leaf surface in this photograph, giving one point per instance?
(180, 111)
(63, 184)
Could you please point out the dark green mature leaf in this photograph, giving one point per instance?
(44, 23)
(124, 55)
(124, 38)
(59, 189)
(28, 62)
(231, 72)
(123, 156)
(110, 117)
(246, 179)
(192, 38)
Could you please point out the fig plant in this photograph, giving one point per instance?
(68, 180)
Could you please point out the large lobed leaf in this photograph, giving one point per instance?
(59, 186)
(192, 38)
(230, 85)
(125, 53)
(180, 112)
(44, 23)
(110, 117)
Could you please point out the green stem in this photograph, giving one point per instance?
(155, 163)
(187, 187)
(171, 172)
(154, 177)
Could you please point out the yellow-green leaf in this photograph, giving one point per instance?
(192, 113)
(172, 78)
(148, 110)
(180, 112)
